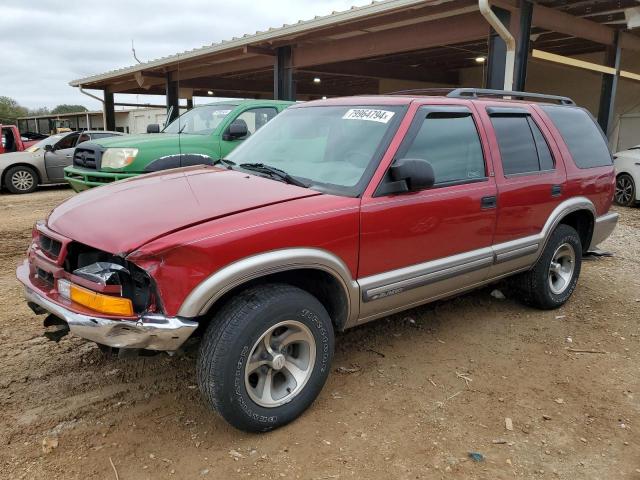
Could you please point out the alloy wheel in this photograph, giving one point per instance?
(561, 268)
(22, 180)
(280, 364)
(624, 190)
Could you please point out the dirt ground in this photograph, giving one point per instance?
(417, 393)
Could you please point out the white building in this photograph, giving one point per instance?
(128, 120)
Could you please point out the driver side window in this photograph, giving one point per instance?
(449, 141)
(256, 118)
(67, 142)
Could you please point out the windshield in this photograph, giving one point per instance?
(200, 120)
(53, 139)
(329, 148)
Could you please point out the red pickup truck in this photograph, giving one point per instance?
(336, 213)
(11, 140)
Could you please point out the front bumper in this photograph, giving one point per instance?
(148, 331)
(85, 178)
(603, 227)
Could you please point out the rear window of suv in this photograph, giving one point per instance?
(580, 132)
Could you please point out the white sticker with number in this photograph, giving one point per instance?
(221, 113)
(382, 116)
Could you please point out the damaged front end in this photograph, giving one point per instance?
(96, 295)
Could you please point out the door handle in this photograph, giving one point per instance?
(556, 190)
(488, 202)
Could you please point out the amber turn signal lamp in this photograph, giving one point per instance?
(95, 301)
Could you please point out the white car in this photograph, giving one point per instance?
(627, 163)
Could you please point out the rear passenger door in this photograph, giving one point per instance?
(530, 175)
(420, 245)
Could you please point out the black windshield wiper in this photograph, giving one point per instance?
(223, 161)
(274, 172)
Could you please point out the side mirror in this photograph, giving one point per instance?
(153, 128)
(411, 175)
(237, 129)
(49, 148)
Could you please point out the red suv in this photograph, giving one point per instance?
(336, 213)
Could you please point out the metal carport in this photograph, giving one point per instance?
(375, 48)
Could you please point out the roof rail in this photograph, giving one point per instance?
(435, 91)
(483, 92)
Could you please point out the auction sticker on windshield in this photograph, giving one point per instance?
(382, 116)
(221, 113)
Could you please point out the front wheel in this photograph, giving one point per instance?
(21, 179)
(553, 278)
(625, 194)
(265, 356)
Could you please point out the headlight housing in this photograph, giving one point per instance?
(118, 157)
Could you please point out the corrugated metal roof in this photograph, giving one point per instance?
(302, 26)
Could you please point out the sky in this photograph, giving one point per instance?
(48, 43)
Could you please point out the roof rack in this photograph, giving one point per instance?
(483, 92)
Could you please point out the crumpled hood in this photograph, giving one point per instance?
(123, 216)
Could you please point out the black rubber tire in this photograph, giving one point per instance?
(632, 200)
(232, 334)
(534, 284)
(20, 168)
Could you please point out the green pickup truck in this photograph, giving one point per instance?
(199, 136)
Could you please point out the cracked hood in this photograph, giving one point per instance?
(123, 216)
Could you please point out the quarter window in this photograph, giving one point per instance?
(450, 142)
(523, 148)
(580, 132)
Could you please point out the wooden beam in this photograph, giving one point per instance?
(379, 70)
(146, 81)
(249, 49)
(445, 31)
(235, 66)
(556, 21)
(629, 41)
(572, 62)
(260, 86)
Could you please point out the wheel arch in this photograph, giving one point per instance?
(578, 213)
(316, 271)
(37, 171)
(583, 222)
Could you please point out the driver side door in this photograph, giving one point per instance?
(56, 161)
(422, 245)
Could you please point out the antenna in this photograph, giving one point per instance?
(133, 50)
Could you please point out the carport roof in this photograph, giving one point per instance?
(385, 39)
(280, 33)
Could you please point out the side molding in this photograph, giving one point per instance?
(216, 285)
(396, 290)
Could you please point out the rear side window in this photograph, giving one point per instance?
(580, 132)
(450, 142)
(523, 148)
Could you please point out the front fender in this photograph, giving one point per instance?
(224, 280)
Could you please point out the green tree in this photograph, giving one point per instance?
(10, 110)
(69, 109)
(36, 112)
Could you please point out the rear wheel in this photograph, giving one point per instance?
(265, 356)
(625, 194)
(21, 179)
(553, 278)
